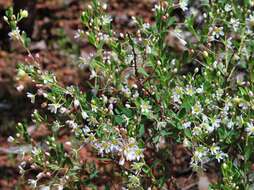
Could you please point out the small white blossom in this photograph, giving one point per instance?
(72, 124)
(15, 34)
(121, 161)
(235, 24)
(53, 107)
(197, 109)
(145, 107)
(132, 151)
(32, 183)
(217, 32)
(10, 139)
(214, 149)
(20, 88)
(93, 74)
(230, 124)
(228, 8)
(105, 6)
(250, 129)
(31, 96)
(78, 34)
(220, 156)
(84, 115)
(200, 156)
(76, 103)
(187, 125)
(106, 19)
(63, 110)
(86, 129)
(196, 131)
(184, 5)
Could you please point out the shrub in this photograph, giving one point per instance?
(169, 83)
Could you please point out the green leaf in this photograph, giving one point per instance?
(141, 130)
(119, 120)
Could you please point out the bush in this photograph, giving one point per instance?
(169, 83)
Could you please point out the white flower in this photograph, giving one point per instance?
(200, 90)
(31, 96)
(146, 26)
(85, 59)
(86, 129)
(197, 109)
(10, 139)
(111, 107)
(127, 105)
(200, 156)
(184, 5)
(230, 124)
(145, 107)
(106, 19)
(93, 74)
(216, 123)
(32, 183)
(217, 32)
(176, 98)
(63, 110)
(78, 34)
(235, 24)
(209, 128)
(132, 151)
(186, 143)
(103, 37)
(148, 50)
(104, 6)
(76, 103)
(250, 128)
(15, 34)
(229, 43)
(196, 131)
(6, 19)
(220, 156)
(72, 124)
(228, 8)
(53, 107)
(214, 149)
(204, 118)
(121, 161)
(187, 125)
(20, 88)
(84, 115)
(189, 90)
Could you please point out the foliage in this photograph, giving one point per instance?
(142, 99)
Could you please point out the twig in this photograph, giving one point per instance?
(134, 54)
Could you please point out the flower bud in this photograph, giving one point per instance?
(105, 6)
(5, 19)
(23, 13)
(205, 53)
